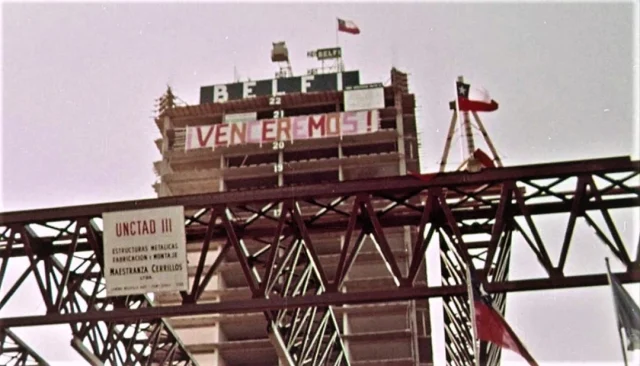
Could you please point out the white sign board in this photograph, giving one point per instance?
(240, 117)
(145, 251)
(364, 99)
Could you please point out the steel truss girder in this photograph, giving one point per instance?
(458, 338)
(14, 352)
(287, 266)
(72, 283)
(492, 257)
(261, 241)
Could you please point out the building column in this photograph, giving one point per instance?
(340, 156)
(400, 130)
(221, 178)
(281, 167)
(166, 125)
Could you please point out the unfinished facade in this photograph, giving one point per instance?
(382, 334)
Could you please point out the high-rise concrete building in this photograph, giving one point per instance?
(228, 158)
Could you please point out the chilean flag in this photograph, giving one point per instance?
(491, 326)
(348, 26)
(479, 101)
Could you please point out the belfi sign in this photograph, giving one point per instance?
(145, 251)
(298, 84)
(328, 53)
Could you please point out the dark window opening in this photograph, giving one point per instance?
(252, 159)
(311, 154)
(388, 123)
(369, 149)
(252, 183)
(312, 178)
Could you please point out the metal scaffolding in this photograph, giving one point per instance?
(14, 352)
(280, 264)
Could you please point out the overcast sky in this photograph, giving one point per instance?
(79, 83)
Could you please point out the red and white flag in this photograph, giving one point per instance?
(492, 327)
(473, 99)
(348, 26)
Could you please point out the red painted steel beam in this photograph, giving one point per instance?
(276, 303)
(372, 186)
(407, 217)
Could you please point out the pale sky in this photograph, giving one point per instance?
(79, 83)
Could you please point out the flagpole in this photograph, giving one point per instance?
(461, 80)
(339, 60)
(337, 33)
(474, 333)
(615, 306)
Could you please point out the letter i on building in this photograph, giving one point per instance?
(165, 225)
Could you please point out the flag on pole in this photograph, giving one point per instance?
(492, 327)
(348, 26)
(483, 158)
(473, 99)
(627, 311)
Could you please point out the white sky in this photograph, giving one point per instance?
(79, 83)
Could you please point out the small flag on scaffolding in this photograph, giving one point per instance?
(348, 26)
(479, 101)
(627, 311)
(483, 158)
(492, 327)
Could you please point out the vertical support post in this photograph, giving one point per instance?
(411, 314)
(221, 179)
(340, 154)
(340, 63)
(447, 144)
(346, 330)
(472, 163)
(469, 134)
(281, 170)
(397, 100)
(474, 334)
(465, 120)
(166, 125)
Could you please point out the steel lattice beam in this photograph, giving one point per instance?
(269, 236)
(14, 352)
(290, 268)
(71, 283)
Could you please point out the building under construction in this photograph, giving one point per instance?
(306, 225)
(395, 333)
